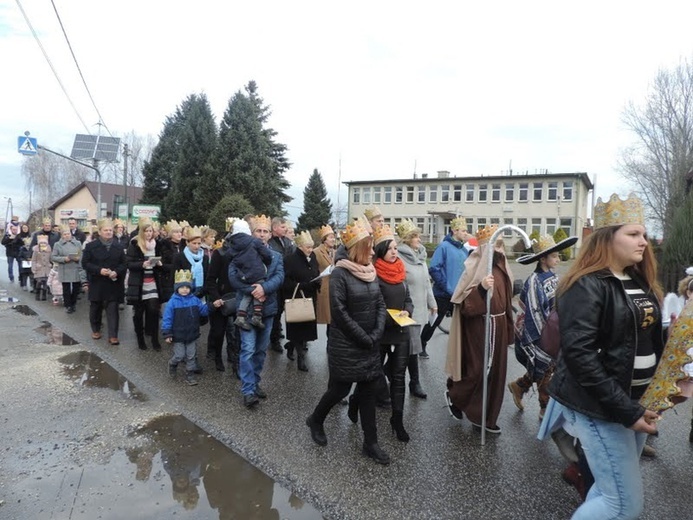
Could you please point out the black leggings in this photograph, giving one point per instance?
(338, 390)
(70, 292)
(145, 317)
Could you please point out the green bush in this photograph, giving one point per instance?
(559, 235)
(229, 206)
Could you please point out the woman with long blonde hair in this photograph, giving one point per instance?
(611, 340)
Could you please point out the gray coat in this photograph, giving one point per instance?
(68, 271)
(418, 281)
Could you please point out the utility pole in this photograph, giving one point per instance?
(125, 183)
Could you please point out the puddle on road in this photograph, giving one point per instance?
(54, 335)
(91, 370)
(25, 309)
(206, 478)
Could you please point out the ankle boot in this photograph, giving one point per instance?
(140, 342)
(301, 358)
(375, 452)
(398, 426)
(155, 342)
(44, 292)
(353, 410)
(414, 384)
(289, 346)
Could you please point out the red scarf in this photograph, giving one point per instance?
(391, 272)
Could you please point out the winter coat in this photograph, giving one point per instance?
(54, 283)
(300, 270)
(95, 257)
(271, 285)
(41, 262)
(169, 250)
(68, 269)
(124, 241)
(396, 296)
(283, 246)
(358, 321)
(325, 258)
(135, 258)
(250, 256)
(418, 281)
(181, 319)
(447, 266)
(217, 280)
(598, 345)
(80, 236)
(180, 261)
(12, 245)
(52, 237)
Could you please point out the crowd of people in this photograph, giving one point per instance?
(591, 342)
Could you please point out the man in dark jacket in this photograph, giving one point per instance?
(11, 249)
(76, 232)
(47, 230)
(254, 342)
(280, 243)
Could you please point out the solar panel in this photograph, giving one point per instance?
(99, 147)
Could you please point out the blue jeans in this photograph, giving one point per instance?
(613, 453)
(10, 267)
(254, 345)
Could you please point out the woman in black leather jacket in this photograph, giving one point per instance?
(611, 340)
(353, 348)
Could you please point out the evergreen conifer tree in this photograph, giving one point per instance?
(677, 253)
(317, 208)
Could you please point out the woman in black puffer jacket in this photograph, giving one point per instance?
(353, 348)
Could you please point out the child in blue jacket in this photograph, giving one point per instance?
(181, 325)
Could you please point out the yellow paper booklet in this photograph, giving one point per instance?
(402, 321)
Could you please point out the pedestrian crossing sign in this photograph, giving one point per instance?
(27, 145)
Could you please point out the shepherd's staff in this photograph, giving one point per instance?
(487, 334)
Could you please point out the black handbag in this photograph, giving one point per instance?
(228, 308)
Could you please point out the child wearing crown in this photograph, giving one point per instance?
(181, 325)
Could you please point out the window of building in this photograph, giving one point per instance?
(495, 221)
(410, 194)
(421, 224)
(553, 192)
(509, 192)
(483, 192)
(537, 191)
(457, 193)
(522, 224)
(366, 199)
(469, 189)
(567, 226)
(376, 195)
(567, 190)
(357, 195)
(536, 225)
(550, 226)
(495, 192)
(399, 194)
(387, 194)
(422, 194)
(480, 223)
(523, 193)
(433, 194)
(508, 222)
(444, 193)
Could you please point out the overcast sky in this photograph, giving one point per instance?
(392, 88)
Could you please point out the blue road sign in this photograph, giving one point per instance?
(27, 145)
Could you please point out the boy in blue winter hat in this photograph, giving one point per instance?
(181, 325)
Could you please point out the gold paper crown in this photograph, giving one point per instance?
(261, 221)
(382, 233)
(545, 242)
(172, 225)
(228, 223)
(358, 230)
(617, 212)
(304, 239)
(184, 224)
(117, 222)
(183, 276)
(156, 225)
(372, 212)
(47, 220)
(325, 230)
(458, 223)
(406, 228)
(483, 235)
(193, 232)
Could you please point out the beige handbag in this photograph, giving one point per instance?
(299, 310)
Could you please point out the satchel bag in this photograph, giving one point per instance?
(550, 341)
(299, 310)
(228, 308)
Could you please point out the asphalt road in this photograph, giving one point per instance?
(443, 472)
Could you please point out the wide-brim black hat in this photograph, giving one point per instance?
(545, 246)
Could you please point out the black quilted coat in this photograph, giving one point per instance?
(358, 321)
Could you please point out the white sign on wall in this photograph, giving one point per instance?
(79, 214)
(145, 210)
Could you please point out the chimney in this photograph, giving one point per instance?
(443, 174)
(424, 176)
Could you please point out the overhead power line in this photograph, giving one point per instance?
(79, 69)
(50, 64)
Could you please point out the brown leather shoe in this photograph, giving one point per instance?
(113, 341)
(95, 335)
